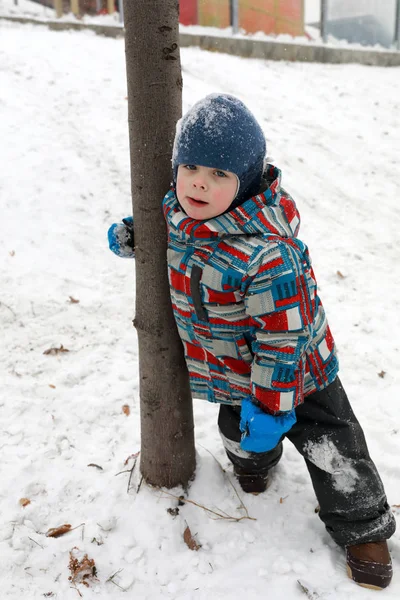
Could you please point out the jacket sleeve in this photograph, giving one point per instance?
(279, 300)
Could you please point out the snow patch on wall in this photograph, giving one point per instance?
(324, 455)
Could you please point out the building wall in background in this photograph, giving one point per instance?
(188, 12)
(272, 16)
(269, 16)
(214, 13)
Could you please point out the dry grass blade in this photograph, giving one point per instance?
(189, 539)
(56, 532)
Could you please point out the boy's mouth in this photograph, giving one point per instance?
(196, 201)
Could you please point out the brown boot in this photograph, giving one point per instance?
(252, 483)
(370, 564)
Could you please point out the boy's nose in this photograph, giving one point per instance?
(200, 184)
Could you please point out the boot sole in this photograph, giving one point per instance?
(364, 585)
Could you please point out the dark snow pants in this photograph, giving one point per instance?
(350, 493)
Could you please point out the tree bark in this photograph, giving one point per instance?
(154, 106)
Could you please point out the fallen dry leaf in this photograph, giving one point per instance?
(126, 410)
(131, 456)
(12, 253)
(81, 570)
(56, 532)
(54, 351)
(189, 540)
(73, 300)
(382, 374)
(24, 502)
(340, 275)
(53, 387)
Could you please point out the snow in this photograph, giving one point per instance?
(34, 10)
(334, 130)
(326, 456)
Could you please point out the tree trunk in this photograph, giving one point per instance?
(154, 105)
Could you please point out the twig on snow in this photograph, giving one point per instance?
(140, 484)
(130, 477)
(75, 588)
(230, 482)
(217, 514)
(306, 591)
(35, 542)
(9, 308)
(111, 580)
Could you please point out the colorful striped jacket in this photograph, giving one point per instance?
(245, 301)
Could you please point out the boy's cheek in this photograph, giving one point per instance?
(221, 197)
(180, 189)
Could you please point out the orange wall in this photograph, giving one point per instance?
(214, 13)
(269, 16)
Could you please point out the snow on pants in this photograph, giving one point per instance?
(350, 493)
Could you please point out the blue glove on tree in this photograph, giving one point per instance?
(121, 239)
(261, 431)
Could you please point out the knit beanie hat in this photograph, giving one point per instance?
(220, 131)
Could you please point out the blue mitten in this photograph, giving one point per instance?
(121, 239)
(260, 431)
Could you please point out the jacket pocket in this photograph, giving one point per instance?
(195, 291)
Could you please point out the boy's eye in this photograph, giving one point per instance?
(220, 174)
(190, 167)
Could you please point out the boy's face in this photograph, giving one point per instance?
(204, 192)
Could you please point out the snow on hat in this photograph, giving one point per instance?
(220, 131)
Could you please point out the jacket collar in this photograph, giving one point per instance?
(271, 212)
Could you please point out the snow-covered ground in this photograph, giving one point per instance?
(34, 10)
(334, 130)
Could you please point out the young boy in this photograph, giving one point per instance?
(254, 331)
